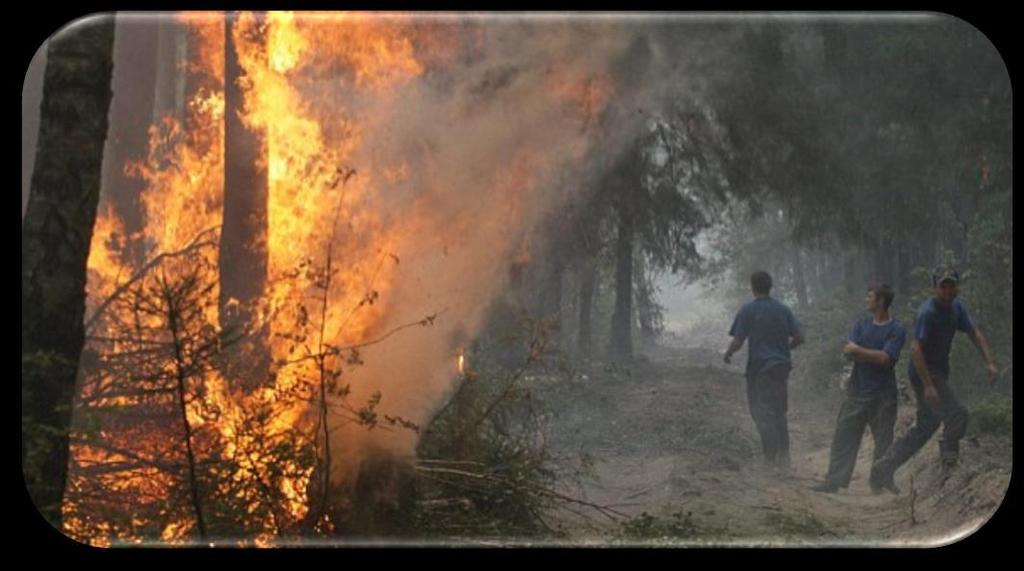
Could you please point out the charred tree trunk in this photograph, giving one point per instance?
(586, 303)
(622, 317)
(56, 234)
(243, 245)
(131, 114)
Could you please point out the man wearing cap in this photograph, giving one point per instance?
(874, 346)
(772, 331)
(937, 321)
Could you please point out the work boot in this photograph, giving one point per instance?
(826, 488)
(881, 478)
(890, 486)
(949, 462)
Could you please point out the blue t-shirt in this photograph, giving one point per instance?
(767, 325)
(869, 379)
(934, 329)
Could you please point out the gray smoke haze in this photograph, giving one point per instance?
(491, 152)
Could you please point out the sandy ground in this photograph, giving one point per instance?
(673, 439)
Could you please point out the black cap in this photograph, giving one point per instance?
(945, 273)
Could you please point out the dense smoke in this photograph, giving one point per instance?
(491, 149)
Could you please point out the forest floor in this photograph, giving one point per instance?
(671, 447)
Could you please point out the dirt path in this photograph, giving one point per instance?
(673, 439)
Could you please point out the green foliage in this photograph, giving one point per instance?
(991, 416)
(895, 157)
(679, 525)
(805, 526)
(484, 465)
(646, 526)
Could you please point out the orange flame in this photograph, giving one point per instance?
(323, 92)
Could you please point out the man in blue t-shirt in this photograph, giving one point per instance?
(772, 331)
(874, 346)
(938, 320)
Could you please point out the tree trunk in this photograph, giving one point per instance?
(902, 266)
(243, 244)
(171, 48)
(882, 256)
(622, 318)
(131, 114)
(31, 95)
(587, 283)
(182, 392)
(647, 310)
(850, 270)
(798, 275)
(56, 234)
(553, 298)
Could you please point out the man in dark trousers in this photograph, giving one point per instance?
(874, 346)
(772, 331)
(938, 319)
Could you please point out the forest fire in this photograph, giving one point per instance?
(346, 278)
(351, 191)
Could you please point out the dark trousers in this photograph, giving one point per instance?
(951, 415)
(855, 414)
(768, 400)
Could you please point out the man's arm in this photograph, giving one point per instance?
(796, 333)
(886, 356)
(917, 357)
(737, 342)
(864, 355)
(982, 344)
(796, 340)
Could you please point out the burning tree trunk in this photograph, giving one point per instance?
(131, 112)
(56, 234)
(243, 251)
(622, 318)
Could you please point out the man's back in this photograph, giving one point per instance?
(767, 324)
